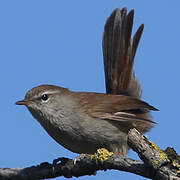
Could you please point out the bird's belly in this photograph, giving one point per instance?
(88, 135)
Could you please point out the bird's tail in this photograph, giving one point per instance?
(119, 51)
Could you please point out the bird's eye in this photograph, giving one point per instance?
(44, 97)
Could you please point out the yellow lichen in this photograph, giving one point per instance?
(175, 164)
(101, 155)
(155, 147)
(163, 155)
(155, 162)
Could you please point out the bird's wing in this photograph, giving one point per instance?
(114, 107)
(119, 51)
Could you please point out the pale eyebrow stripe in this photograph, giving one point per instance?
(51, 92)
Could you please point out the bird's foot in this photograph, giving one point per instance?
(80, 157)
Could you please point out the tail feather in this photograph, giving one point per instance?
(119, 51)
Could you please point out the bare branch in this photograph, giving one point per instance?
(156, 164)
(67, 168)
(163, 166)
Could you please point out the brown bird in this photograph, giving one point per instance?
(83, 121)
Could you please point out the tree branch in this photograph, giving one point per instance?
(67, 168)
(156, 164)
(163, 166)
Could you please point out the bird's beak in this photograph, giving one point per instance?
(22, 102)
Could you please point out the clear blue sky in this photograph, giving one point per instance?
(59, 42)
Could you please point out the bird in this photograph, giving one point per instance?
(83, 122)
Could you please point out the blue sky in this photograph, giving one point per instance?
(59, 42)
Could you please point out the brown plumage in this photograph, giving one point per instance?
(119, 51)
(83, 121)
